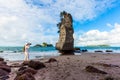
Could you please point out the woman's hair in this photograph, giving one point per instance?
(23, 48)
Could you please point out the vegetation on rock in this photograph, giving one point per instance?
(44, 44)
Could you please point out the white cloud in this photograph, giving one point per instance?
(95, 37)
(36, 21)
(6, 19)
(80, 9)
(20, 23)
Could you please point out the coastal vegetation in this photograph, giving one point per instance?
(102, 45)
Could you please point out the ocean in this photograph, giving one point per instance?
(15, 53)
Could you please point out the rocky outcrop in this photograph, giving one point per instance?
(4, 70)
(51, 60)
(33, 64)
(66, 42)
(23, 70)
(25, 76)
(99, 51)
(109, 78)
(28, 69)
(36, 65)
(108, 51)
(1, 59)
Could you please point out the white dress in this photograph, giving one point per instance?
(26, 52)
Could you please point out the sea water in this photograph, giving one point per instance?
(93, 49)
(15, 53)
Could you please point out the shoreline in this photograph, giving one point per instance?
(42, 55)
(72, 67)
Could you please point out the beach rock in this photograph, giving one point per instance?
(109, 51)
(3, 72)
(51, 60)
(3, 62)
(94, 70)
(84, 50)
(107, 65)
(36, 64)
(5, 77)
(25, 76)
(5, 67)
(23, 70)
(1, 59)
(98, 51)
(109, 78)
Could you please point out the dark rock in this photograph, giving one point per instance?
(98, 51)
(51, 60)
(4, 77)
(2, 62)
(109, 51)
(94, 70)
(84, 50)
(31, 70)
(23, 70)
(109, 78)
(5, 67)
(25, 76)
(107, 65)
(36, 65)
(1, 59)
(3, 72)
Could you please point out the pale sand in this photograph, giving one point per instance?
(72, 67)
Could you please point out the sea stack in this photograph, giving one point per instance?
(65, 43)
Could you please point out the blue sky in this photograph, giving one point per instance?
(95, 21)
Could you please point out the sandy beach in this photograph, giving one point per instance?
(73, 67)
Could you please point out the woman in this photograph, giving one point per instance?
(26, 51)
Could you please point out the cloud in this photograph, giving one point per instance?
(6, 19)
(35, 21)
(20, 23)
(96, 37)
(80, 9)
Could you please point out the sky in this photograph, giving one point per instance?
(95, 22)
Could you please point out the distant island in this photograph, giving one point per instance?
(102, 45)
(44, 44)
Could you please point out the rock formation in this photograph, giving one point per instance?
(66, 42)
(4, 69)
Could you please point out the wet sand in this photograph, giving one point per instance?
(72, 67)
